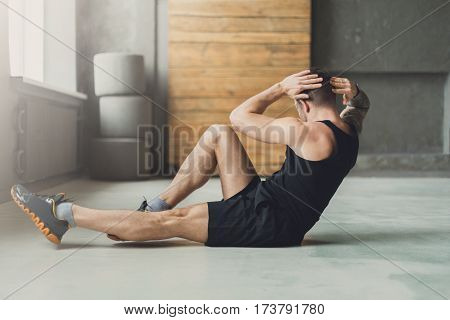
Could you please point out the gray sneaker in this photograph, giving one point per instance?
(42, 211)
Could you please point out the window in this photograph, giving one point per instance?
(36, 55)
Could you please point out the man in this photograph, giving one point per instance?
(321, 148)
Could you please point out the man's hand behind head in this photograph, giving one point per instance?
(345, 87)
(295, 84)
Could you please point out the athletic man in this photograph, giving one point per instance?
(321, 148)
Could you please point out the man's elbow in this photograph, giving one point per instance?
(235, 120)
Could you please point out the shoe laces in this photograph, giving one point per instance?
(55, 199)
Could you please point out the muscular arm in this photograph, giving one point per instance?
(248, 117)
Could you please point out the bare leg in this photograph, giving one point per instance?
(218, 147)
(190, 223)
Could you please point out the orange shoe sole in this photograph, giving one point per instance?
(37, 222)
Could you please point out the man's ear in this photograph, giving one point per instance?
(305, 104)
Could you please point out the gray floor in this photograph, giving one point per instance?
(380, 238)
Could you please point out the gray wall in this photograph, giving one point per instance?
(405, 80)
(447, 115)
(406, 114)
(123, 26)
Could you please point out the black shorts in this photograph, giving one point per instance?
(248, 220)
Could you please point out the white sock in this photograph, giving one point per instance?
(64, 212)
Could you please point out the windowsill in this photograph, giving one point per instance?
(35, 88)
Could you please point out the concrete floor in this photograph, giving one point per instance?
(380, 238)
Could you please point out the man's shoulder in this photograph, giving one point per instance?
(317, 142)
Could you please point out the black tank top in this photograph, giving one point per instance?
(303, 188)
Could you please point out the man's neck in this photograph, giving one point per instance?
(324, 113)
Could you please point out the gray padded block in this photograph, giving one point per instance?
(127, 72)
(119, 159)
(120, 116)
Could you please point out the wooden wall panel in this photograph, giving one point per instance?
(241, 8)
(239, 24)
(223, 51)
(207, 55)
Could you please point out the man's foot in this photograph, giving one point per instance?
(42, 211)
